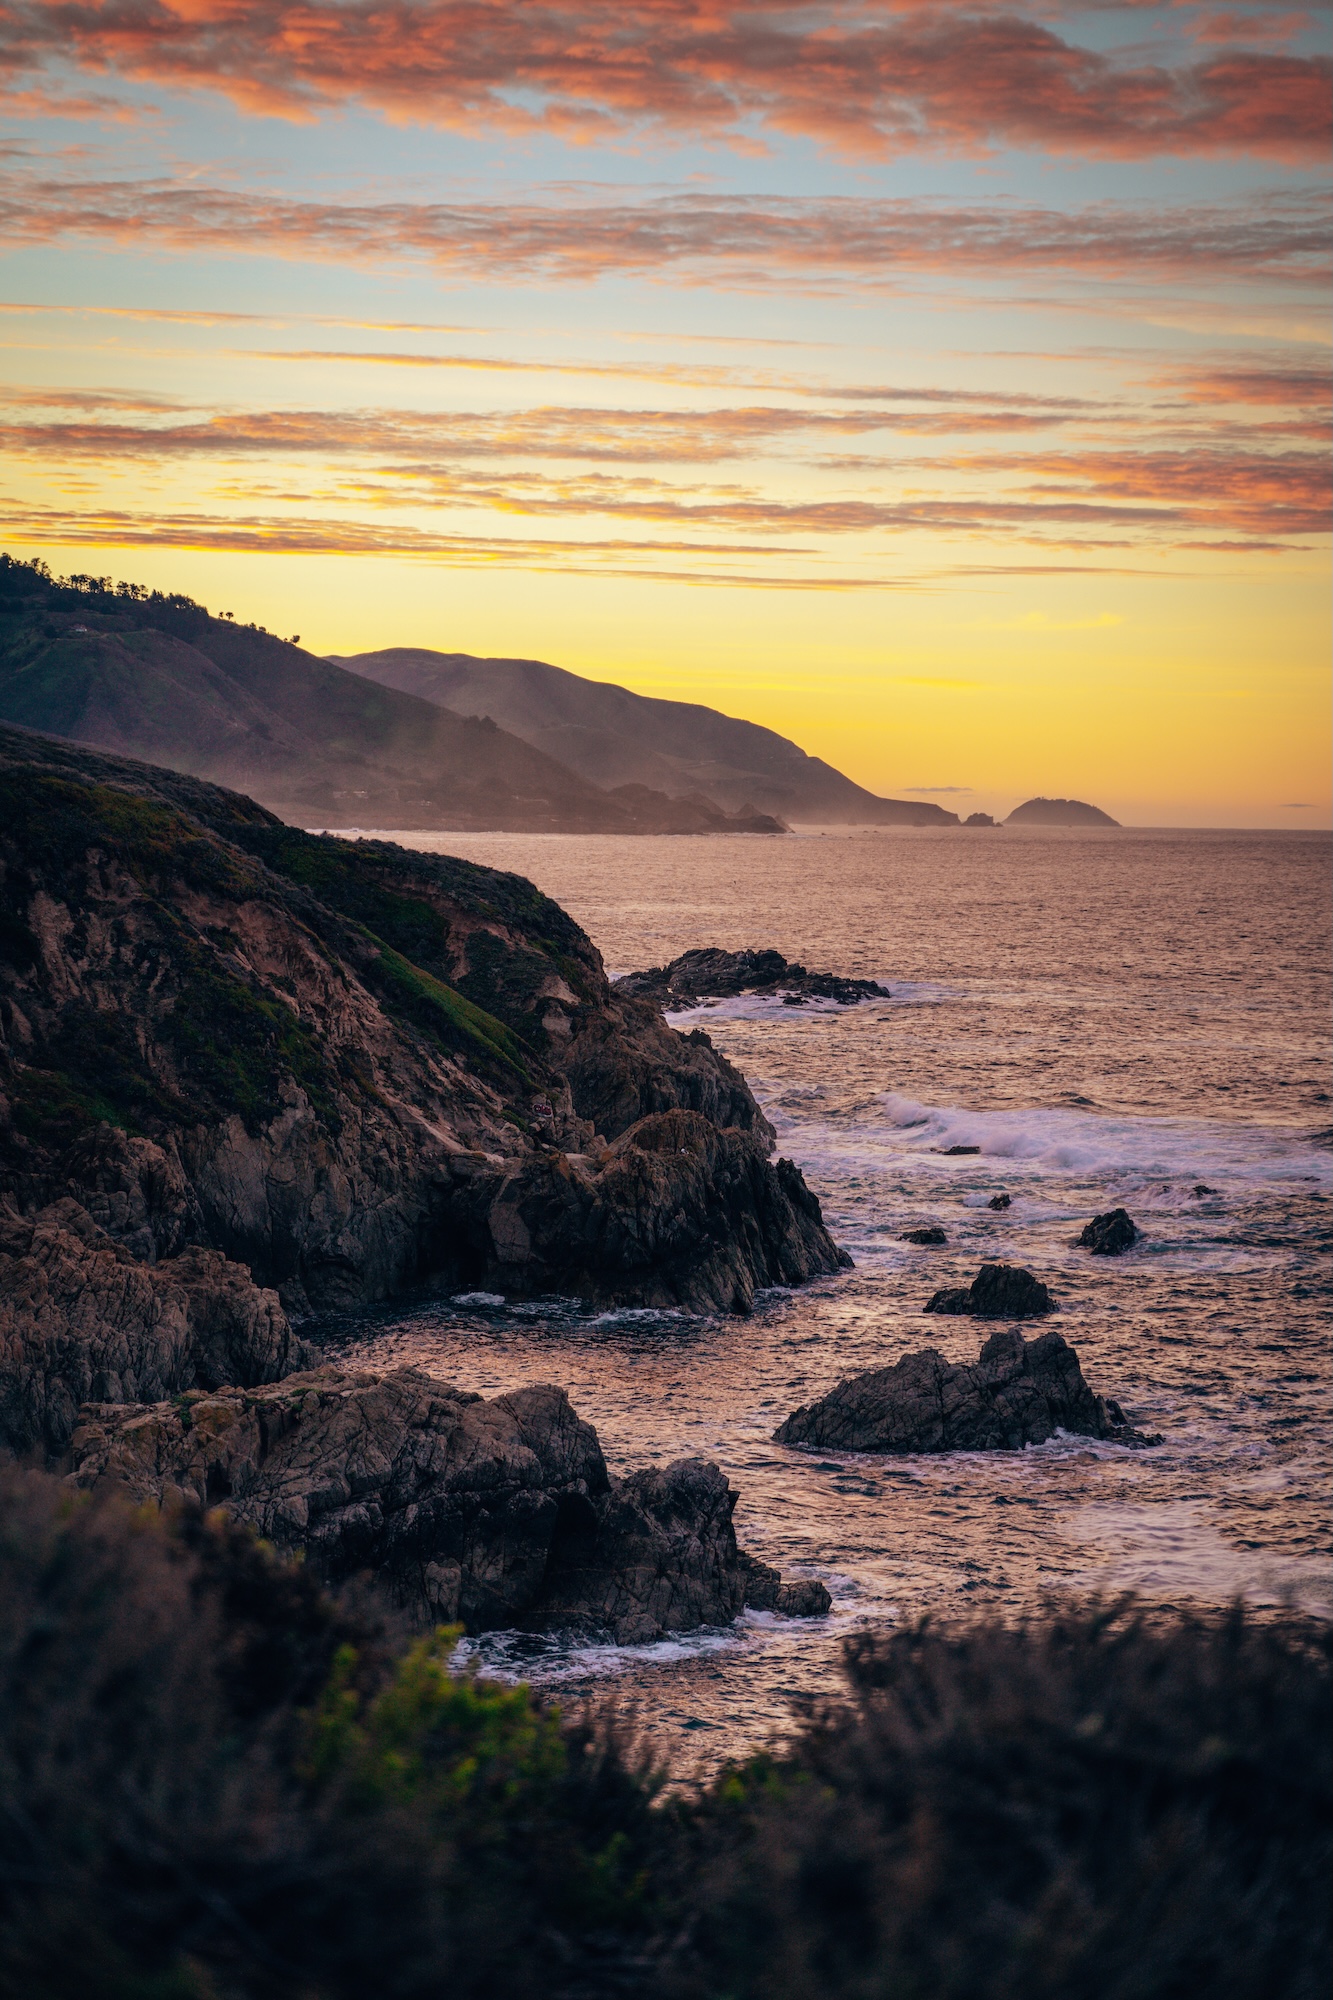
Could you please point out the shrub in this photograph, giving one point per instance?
(1095, 1805)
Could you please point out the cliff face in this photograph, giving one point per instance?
(346, 1068)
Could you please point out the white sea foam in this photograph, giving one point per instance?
(1152, 1158)
(478, 1299)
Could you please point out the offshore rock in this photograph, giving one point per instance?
(1109, 1235)
(82, 1320)
(1017, 1393)
(999, 1291)
(709, 973)
(933, 1235)
(493, 1514)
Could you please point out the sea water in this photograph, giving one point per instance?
(1134, 1018)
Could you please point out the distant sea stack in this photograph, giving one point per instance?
(1058, 812)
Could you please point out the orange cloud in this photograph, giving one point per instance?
(856, 75)
(747, 241)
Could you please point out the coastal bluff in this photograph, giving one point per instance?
(248, 1073)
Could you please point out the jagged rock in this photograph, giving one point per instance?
(1110, 1234)
(999, 1291)
(81, 1320)
(803, 1597)
(708, 973)
(925, 1236)
(676, 1213)
(494, 1514)
(347, 1067)
(1019, 1392)
(998, 1201)
(955, 1152)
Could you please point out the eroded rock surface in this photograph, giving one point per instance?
(709, 973)
(343, 1067)
(1018, 1392)
(82, 1320)
(999, 1291)
(1110, 1235)
(493, 1513)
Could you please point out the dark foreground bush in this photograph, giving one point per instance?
(1095, 1807)
(215, 1782)
(218, 1784)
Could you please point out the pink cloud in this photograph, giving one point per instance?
(747, 241)
(854, 75)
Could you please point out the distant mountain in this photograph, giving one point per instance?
(1058, 812)
(614, 737)
(155, 677)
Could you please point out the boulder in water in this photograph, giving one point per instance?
(998, 1201)
(709, 973)
(933, 1235)
(999, 1291)
(1110, 1234)
(1018, 1392)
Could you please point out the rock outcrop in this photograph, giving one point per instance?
(711, 974)
(999, 1291)
(1110, 1235)
(1019, 1392)
(347, 1068)
(491, 1513)
(81, 1320)
(930, 1237)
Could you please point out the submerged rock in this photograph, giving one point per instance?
(489, 1513)
(999, 1291)
(1110, 1234)
(709, 973)
(1018, 1392)
(933, 1235)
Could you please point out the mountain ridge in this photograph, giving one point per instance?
(153, 676)
(632, 738)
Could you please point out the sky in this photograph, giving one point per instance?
(945, 387)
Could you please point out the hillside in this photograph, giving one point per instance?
(156, 677)
(1058, 812)
(614, 737)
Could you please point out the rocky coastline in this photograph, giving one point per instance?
(250, 1075)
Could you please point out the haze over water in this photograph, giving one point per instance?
(1132, 1017)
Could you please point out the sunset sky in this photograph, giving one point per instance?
(945, 388)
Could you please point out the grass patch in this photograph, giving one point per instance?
(445, 1013)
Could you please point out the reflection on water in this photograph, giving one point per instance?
(1112, 1018)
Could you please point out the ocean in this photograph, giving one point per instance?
(1132, 1017)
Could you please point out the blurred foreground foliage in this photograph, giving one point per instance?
(217, 1783)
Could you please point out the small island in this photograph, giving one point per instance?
(1058, 812)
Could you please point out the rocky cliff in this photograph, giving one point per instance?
(344, 1069)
